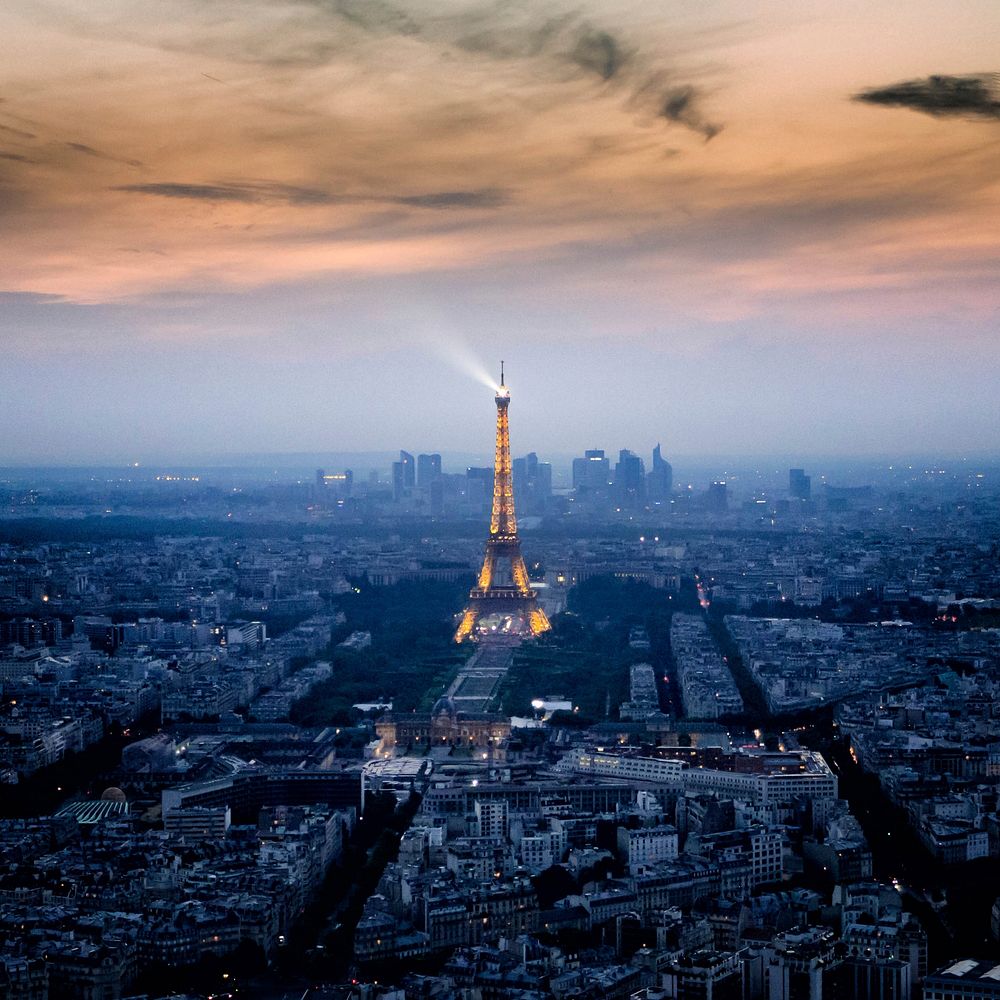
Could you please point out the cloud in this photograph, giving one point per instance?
(375, 15)
(20, 133)
(79, 147)
(494, 29)
(245, 193)
(680, 105)
(548, 45)
(598, 52)
(264, 192)
(976, 95)
(543, 50)
(481, 198)
(16, 157)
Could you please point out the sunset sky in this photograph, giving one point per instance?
(265, 225)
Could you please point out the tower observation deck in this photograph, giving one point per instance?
(502, 603)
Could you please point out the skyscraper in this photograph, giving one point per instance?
(592, 473)
(661, 477)
(338, 484)
(799, 484)
(409, 470)
(532, 483)
(404, 475)
(428, 469)
(718, 496)
(479, 486)
(630, 478)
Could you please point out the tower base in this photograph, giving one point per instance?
(495, 618)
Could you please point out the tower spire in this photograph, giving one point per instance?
(502, 592)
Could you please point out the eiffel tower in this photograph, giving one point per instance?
(502, 602)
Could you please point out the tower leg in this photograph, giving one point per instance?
(519, 572)
(467, 624)
(538, 621)
(486, 573)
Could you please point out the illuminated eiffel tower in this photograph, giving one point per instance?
(502, 602)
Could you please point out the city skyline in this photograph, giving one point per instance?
(756, 229)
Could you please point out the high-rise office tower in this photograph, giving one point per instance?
(409, 467)
(543, 482)
(479, 486)
(592, 473)
(630, 478)
(532, 483)
(502, 603)
(718, 496)
(799, 484)
(661, 477)
(428, 469)
(337, 484)
(436, 491)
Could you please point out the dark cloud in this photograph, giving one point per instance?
(20, 133)
(16, 157)
(486, 34)
(481, 198)
(79, 147)
(974, 96)
(263, 192)
(552, 45)
(246, 193)
(680, 105)
(499, 30)
(375, 15)
(598, 52)
(204, 192)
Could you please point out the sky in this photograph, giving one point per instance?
(301, 225)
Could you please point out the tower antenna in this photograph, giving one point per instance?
(501, 373)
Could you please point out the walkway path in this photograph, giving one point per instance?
(477, 684)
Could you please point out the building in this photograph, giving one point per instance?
(647, 846)
(717, 498)
(660, 481)
(705, 975)
(805, 965)
(532, 483)
(490, 819)
(428, 470)
(198, 823)
(776, 784)
(444, 725)
(335, 484)
(247, 792)
(630, 478)
(799, 484)
(409, 469)
(479, 487)
(592, 473)
(404, 475)
(965, 980)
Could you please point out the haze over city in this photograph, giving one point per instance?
(300, 226)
